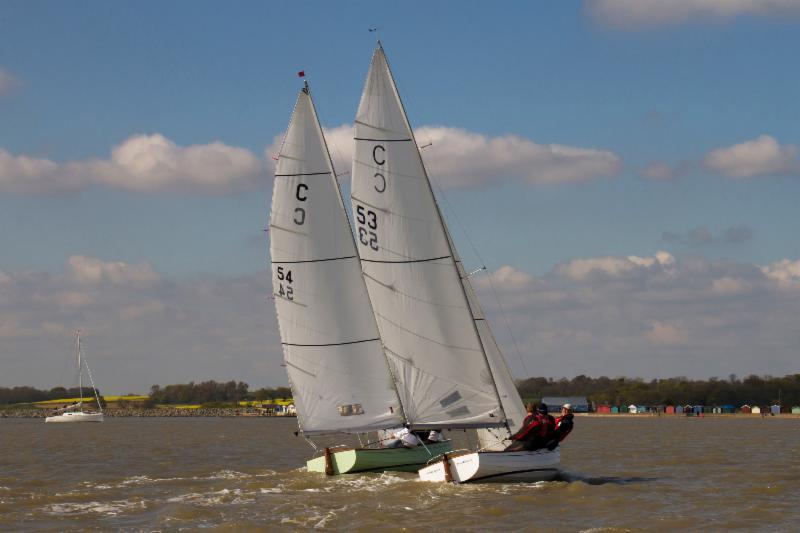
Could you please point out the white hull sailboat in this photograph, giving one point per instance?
(78, 416)
(75, 413)
(494, 467)
(427, 312)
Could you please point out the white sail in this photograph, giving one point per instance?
(493, 438)
(332, 350)
(421, 307)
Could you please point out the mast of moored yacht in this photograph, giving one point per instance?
(80, 374)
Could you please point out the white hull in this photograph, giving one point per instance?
(496, 467)
(76, 417)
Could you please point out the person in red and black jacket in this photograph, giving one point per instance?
(564, 425)
(536, 433)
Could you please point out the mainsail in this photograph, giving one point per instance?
(332, 349)
(409, 264)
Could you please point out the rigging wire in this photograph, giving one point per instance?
(440, 190)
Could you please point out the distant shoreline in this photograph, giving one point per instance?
(683, 415)
(158, 412)
(229, 412)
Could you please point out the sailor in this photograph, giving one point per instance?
(536, 434)
(403, 438)
(564, 425)
(434, 436)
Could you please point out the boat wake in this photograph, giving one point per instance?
(571, 477)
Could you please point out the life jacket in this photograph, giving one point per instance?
(564, 425)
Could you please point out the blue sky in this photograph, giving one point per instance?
(687, 115)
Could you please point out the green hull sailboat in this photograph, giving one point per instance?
(352, 460)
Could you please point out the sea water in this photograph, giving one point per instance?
(169, 474)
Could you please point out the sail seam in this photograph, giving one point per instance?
(330, 344)
(302, 174)
(407, 261)
(381, 140)
(316, 260)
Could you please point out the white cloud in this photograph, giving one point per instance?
(461, 158)
(8, 82)
(762, 156)
(94, 271)
(581, 269)
(634, 14)
(785, 272)
(144, 163)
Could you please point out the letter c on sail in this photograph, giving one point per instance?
(301, 186)
(375, 154)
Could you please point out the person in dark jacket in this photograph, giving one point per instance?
(536, 433)
(564, 425)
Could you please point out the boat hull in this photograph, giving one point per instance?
(379, 459)
(496, 467)
(75, 417)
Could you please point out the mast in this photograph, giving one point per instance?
(80, 374)
(450, 243)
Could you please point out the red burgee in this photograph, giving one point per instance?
(302, 74)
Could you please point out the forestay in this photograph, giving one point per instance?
(421, 307)
(337, 369)
(493, 438)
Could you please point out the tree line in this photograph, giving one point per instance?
(32, 394)
(752, 390)
(215, 392)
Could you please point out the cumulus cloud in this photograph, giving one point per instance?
(94, 271)
(762, 156)
(636, 14)
(143, 163)
(658, 315)
(784, 272)
(8, 82)
(461, 158)
(581, 269)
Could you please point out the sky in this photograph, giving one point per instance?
(627, 171)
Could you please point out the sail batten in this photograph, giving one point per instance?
(422, 310)
(338, 372)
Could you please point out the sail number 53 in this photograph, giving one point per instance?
(367, 221)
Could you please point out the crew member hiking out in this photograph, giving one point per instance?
(536, 434)
(564, 424)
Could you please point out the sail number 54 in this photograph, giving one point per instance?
(285, 289)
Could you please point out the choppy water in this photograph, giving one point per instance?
(240, 473)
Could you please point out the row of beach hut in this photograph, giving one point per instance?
(695, 409)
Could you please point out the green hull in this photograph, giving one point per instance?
(379, 459)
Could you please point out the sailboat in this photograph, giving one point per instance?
(75, 412)
(333, 353)
(450, 372)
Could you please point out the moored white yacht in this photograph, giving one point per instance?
(75, 412)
